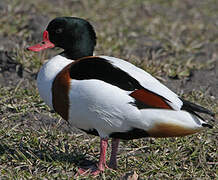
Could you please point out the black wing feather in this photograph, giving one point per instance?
(191, 107)
(101, 69)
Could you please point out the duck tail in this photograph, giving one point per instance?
(168, 123)
(193, 108)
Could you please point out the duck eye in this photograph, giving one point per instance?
(58, 31)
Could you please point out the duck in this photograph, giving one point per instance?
(106, 96)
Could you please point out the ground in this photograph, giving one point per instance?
(176, 41)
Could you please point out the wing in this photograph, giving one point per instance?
(148, 82)
(154, 93)
(147, 91)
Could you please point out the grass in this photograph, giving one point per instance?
(166, 38)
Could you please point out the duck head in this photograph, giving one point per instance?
(75, 35)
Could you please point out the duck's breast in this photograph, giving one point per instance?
(47, 74)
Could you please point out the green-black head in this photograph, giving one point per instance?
(75, 35)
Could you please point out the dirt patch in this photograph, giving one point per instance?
(205, 79)
(12, 72)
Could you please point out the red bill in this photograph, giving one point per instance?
(42, 45)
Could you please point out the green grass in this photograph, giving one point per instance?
(184, 31)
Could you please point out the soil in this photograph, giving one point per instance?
(206, 80)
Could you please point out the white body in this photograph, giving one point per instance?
(95, 104)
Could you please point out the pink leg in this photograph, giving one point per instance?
(103, 151)
(101, 164)
(113, 158)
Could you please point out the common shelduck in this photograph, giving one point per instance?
(106, 96)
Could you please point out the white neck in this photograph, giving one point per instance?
(47, 74)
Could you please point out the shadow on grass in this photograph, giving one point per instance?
(45, 153)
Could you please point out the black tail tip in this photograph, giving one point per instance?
(207, 125)
(212, 114)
